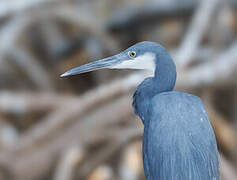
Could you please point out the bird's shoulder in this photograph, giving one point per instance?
(175, 96)
(176, 99)
(181, 111)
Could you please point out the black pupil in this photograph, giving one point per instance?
(132, 53)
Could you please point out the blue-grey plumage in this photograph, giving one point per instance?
(178, 139)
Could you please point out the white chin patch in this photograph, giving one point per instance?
(145, 61)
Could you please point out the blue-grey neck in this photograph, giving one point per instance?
(164, 80)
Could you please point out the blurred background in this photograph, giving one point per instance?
(83, 127)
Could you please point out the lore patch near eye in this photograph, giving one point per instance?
(132, 54)
(144, 61)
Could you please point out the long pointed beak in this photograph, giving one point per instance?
(96, 65)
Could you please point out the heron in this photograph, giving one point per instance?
(178, 140)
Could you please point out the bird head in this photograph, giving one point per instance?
(143, 55)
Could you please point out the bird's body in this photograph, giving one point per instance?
(178, 144)
(178, 140)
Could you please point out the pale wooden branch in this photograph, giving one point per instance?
(102, 172)
(68, 163)
(224, 132)
(14, 7)
(33, 69)
(198, 27)
(121, 140)
(22, 102)
(227, 172)
(218, 71)
(10, 32)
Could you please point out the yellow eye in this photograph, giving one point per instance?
(132, 54)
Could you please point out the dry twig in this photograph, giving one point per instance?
(198, 27)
